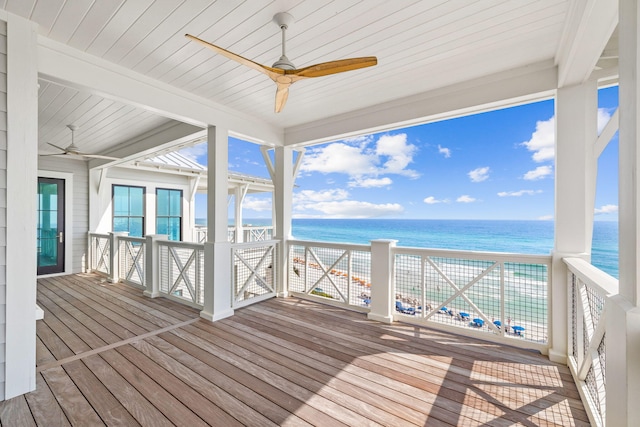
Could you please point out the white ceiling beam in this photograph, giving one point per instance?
(501, 90)
(588, 28)
(173, 134)
(70, 67)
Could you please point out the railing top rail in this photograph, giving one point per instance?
(592, 276)
(133, 239)
(106, 236)
(257, 244)
(330, 245)
(186, 245)
(257, 227)
(477, 255)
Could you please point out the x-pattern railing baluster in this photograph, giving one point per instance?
(182, 272)
(135, 257)
(459, 292)
(254, 272)
(325, 272)
(105, 255)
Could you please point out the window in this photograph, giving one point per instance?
(128, 209)
(169, 213)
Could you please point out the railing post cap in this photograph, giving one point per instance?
(390, 242)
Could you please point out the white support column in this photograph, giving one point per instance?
(151, 265)
(381, 281)
(240, 192)
(623, 310)
(575, 179)
(19, 343)
(283, 180)
(217, 249)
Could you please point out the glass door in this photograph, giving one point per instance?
(51, 233)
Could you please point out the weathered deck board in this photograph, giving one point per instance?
(108, 355)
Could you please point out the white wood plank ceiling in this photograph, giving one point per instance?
(420, 44)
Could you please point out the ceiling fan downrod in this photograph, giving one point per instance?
(283, 20)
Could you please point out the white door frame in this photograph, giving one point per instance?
(68, 217)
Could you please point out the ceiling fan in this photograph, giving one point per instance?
(283, 72)
(73, 151)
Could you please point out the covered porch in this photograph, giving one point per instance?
(138, 88)
(108, 355)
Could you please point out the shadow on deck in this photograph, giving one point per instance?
(108, 355)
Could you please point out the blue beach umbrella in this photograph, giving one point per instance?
(497, 323)
(478, 322)
(463, 314)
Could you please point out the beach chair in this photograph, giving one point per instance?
(405, 310)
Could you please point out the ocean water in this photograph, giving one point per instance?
(525, 237)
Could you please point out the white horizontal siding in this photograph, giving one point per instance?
(3, 200)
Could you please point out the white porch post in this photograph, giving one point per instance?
(18, 203)
(576, 168)
(151, 265)
(283, 179)
(623, 310)
(381, 280)
(114, 256)
(217, 249)
(240, 192)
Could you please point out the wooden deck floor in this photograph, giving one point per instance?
(106, 355)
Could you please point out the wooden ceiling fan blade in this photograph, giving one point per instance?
(281, 96)
(334, 67)
(99, 156)
(58, 147)
(271, 72)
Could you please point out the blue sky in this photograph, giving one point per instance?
(494, 165)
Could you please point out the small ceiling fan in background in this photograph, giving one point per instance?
(283, 72)
(73, 151)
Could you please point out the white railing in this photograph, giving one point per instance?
(100, 253)
(181, 271)
(249, 234)
(502, 296)
(589, 289)
(336, 273)
(132, 260)
(258, 233)
(253, 274)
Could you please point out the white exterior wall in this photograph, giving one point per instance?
(102, 211)
(3, 199)
(76, 176)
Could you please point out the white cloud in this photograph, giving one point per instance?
(518, 193)
(370, 182)
(445, 151)
(194, 152)
(465, 199)
(340, 158)
(538, 173)
(606, 209)
(256, 204)
(432, 200)
(359, 157)
(542, 141)
(479, 174)
(334, 203)
(545, 218)
(398, 153)
(312, 196)
(603, 118)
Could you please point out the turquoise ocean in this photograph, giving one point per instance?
(524, 237)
